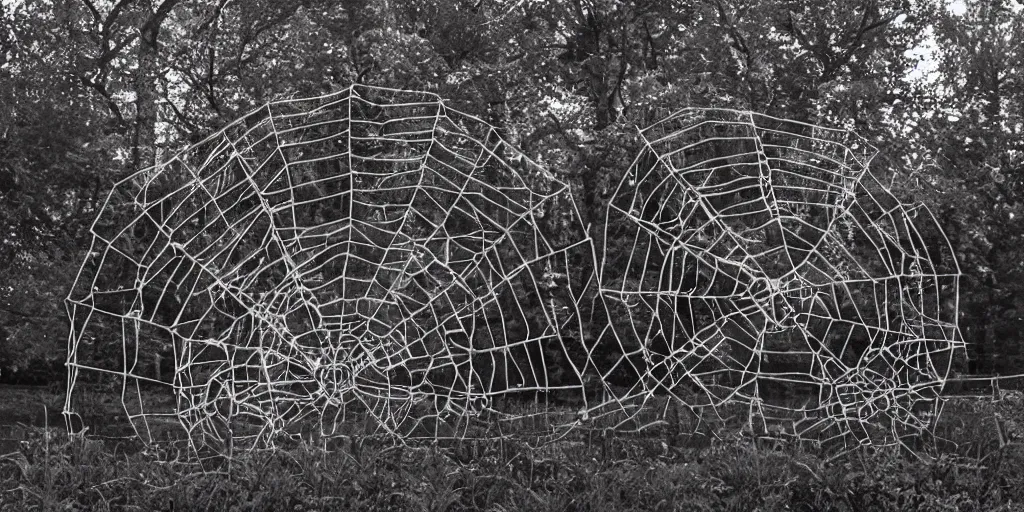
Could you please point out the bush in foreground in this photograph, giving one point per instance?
(52, 472)
(973, 468)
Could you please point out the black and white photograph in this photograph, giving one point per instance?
(511, 255)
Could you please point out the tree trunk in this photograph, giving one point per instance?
(144, 134)
(146, 108)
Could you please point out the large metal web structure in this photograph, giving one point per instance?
(373, 261)
(370, 257)
(762, 264)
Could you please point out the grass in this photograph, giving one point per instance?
(976, 462)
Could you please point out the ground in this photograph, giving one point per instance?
(979, 466)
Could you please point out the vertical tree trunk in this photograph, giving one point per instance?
(144, 133)
(145, 85)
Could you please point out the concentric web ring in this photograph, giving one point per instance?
(371, 261)
(761, 263)
(375, 262)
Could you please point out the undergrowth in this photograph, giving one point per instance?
(971, 467)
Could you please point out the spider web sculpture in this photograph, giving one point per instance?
(758, 259)
(374, 261)
(367, 261)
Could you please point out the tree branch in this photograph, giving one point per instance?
(101, 88)
(163, 10)
(92, 9)
(623, 69)
(213, 17)
(115, 13)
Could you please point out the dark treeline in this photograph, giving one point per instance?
(92, 90)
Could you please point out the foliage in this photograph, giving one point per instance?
(967, 137)
(127, 81)
(82, 103)
(32, 343)
(56, 156)
(50, 471)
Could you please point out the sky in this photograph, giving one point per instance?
(927, 69)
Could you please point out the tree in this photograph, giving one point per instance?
(569, 81)
(968, 138)
(57, 143)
